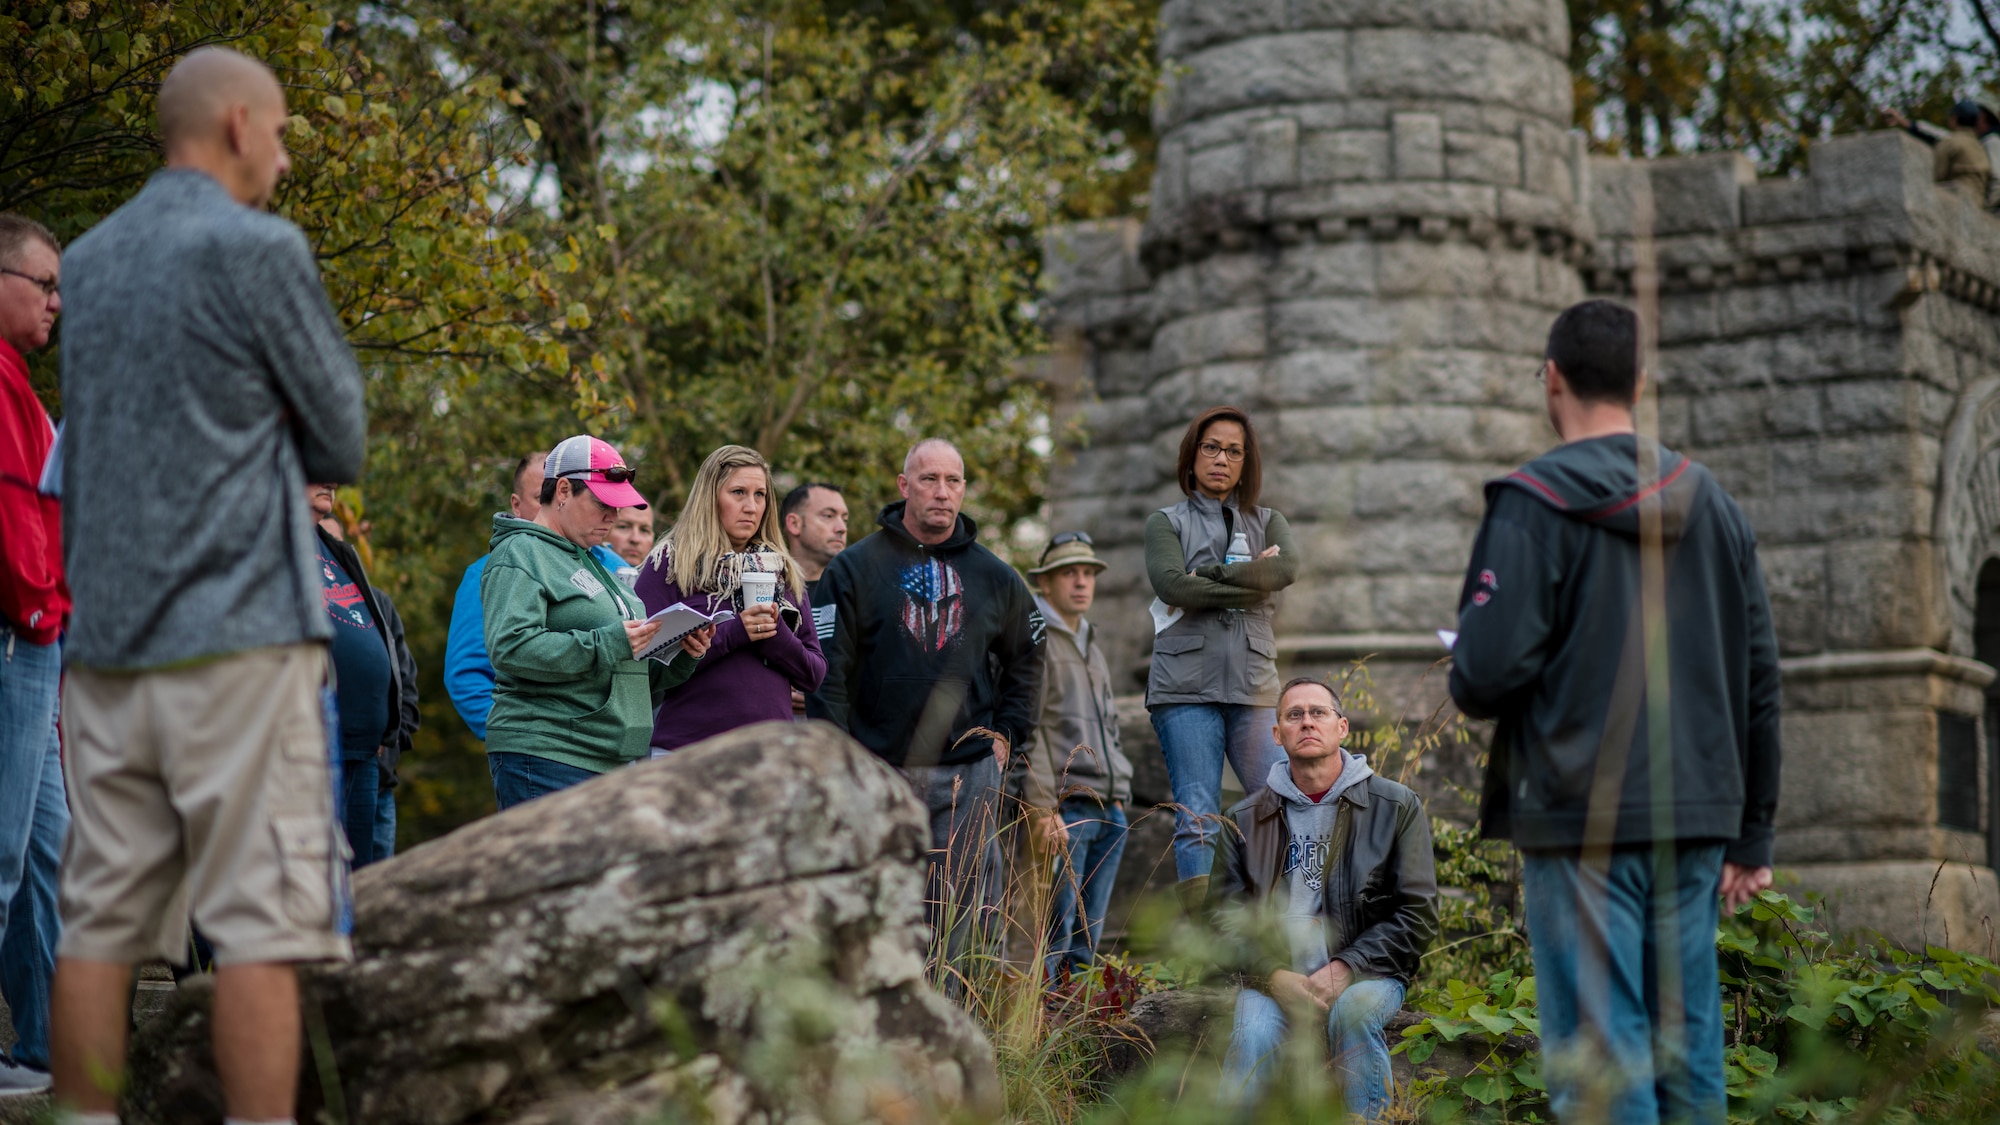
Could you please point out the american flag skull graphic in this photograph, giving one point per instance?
(933, 603)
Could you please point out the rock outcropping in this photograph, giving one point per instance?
(734, 934)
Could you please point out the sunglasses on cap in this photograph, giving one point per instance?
(618, 474)
(1066, 537)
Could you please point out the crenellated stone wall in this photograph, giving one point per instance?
(1829, 347)
(1364, 218)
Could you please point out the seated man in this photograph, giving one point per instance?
(1339, 861)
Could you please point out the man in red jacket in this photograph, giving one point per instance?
(34, 607)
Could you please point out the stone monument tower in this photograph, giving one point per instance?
(1364, 217)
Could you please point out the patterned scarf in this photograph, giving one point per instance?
(726, 581)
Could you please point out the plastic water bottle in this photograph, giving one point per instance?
(1239, 549)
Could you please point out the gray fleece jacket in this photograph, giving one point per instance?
(1308, 855)
(205, 380)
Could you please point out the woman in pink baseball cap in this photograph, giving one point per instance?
(571, 698)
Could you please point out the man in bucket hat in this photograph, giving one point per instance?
(1078, 779)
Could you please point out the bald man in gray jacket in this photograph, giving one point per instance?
(206, 381)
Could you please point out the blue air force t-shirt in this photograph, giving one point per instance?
(360, 661)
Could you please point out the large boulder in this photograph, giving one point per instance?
(734, 934)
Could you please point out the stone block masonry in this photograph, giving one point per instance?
(1828, 348)
(1364, 218)
(1360, 251)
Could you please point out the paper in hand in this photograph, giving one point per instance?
(677, 621)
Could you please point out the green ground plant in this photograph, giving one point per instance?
(1817, 1028)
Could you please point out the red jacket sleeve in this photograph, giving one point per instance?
(33, 596)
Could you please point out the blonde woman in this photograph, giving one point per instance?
(729, 528)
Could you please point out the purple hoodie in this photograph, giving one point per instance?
(740, 681)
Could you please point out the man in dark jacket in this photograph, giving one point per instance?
(1326, 883)
(1614, 625)
(931, 663)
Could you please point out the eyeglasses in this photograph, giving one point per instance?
(1212, 450)
(1319, 714)
(48, 285)
(617, 474)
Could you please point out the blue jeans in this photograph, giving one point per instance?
(34, 818)
(359, 780)
(1354, 1037)
(1606, 942)
(1096, 844)
(1194, 737)
(962, 879)
(385, 819)
(518, 778)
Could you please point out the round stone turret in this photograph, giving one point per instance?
(1364, 218)
(1366, 214)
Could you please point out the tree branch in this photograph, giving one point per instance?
(1986, 24)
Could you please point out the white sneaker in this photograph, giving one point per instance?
(19, 1081)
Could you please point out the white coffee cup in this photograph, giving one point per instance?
(759, 588)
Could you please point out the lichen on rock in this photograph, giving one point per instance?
(733, 934)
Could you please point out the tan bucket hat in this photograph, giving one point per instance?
(1068, 549)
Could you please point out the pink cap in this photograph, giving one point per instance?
(598, 466)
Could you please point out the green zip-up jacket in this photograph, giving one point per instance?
(565, 685)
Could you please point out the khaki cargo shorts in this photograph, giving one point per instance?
(203, 794)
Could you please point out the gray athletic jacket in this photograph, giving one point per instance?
(205, 380)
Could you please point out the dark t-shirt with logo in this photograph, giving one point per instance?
(360, 662)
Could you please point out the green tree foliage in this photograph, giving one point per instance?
(1768, 77)
(805, 229)
(811, 233)
(453, 313)
(811, 228)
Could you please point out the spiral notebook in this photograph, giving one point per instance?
(677, 621)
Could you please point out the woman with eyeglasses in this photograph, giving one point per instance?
(727, 551)
(1215, 561)
(571, 698)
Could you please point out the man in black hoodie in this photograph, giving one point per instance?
(932, 664)
(1614, 624)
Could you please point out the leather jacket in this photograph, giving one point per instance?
(1381, 884)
